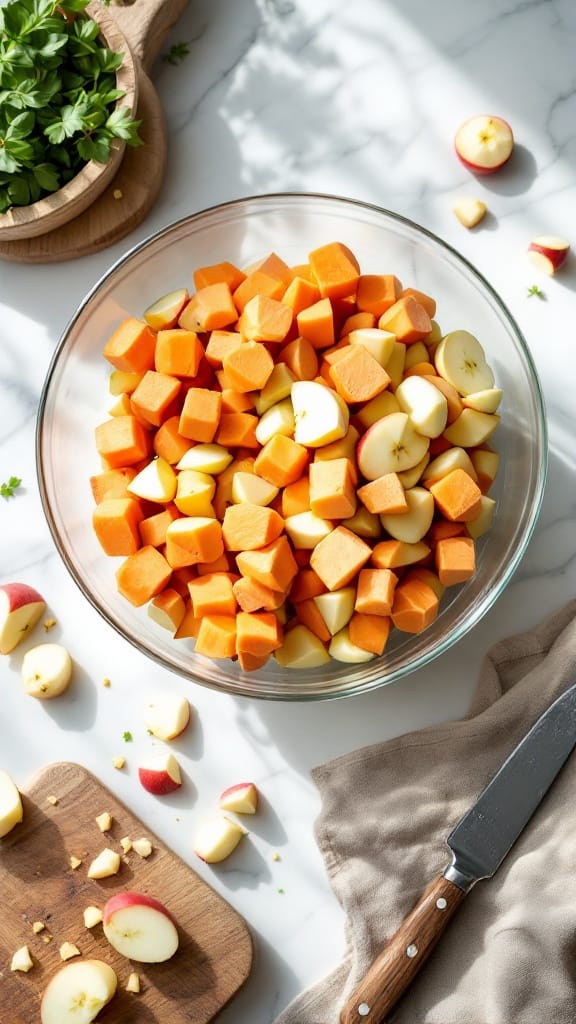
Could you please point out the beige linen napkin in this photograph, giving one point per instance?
(509, 954)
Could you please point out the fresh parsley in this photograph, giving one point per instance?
(177, 53)
(58, 98)
(127, 736)
(7, 489)
(535, 290)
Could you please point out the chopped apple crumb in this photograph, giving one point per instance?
(106, 682)
(92, 916)
(75, 862)
(46, 939)
(133, 983)
(142, 846)
(105, 864)
(21, 961)
(52, 800)
(38, 927)
(49, 624)
(104, 821)
(68, 950)
(118, 762)
(126, 844)
(275, 855)
(117, 193)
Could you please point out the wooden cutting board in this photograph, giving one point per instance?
(143, 25)
(37, 884)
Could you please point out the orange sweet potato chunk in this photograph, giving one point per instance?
(281, 461)
(457, 496)
(257, 633)
(213, 595)
(407, 319)
(115, 522)
(154, 396)
(200, 416)
(332, 489)
(338, 558)
(131, 346)
(369, 632)
(246, 527)
(455, 560)
(143, 575)
(211, 308)
(122, 441)
(112, 483)
(385, 495)
(375, 591)
(178, 353)
(376, 293)
(358, 376)
(316, 324)
(335, 270)
(216, 636)
(415, 606)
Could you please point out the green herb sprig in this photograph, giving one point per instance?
(58, 98)
(8, 487)
(534, 289)
(176, 54)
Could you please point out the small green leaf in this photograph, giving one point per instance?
(7, 489)
(535, 290)
(127, 736)
(177, 53)
(97, 149)
(7, 163)
(47, 177)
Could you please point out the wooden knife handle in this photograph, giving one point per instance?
(397, 965)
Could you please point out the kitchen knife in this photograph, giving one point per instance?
(479, 843)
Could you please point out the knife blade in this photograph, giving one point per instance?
(478, 843)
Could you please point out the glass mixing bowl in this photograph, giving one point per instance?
(75, 399)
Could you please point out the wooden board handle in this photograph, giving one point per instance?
(146, 23)
(401, 959)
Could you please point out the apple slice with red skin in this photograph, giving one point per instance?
(140, 928)
(21, 607)
(77, 993)
(548, 253)
(241, 798)
(160, 775)
(484, 143)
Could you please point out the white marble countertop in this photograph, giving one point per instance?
(360, 100)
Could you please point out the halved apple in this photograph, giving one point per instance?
(77, 993)
(140, 927)
(21, 607)
(461, 360)
(426, 405)
(413, 525)
(484, 143)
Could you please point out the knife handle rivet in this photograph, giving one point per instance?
(363, 1009)
(441, 903)
(412, 950)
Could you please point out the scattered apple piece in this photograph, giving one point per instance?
(21, 607)
(46, 671)
(92, 916)
(469, 211)
(484, 143)
(126, 844)
(241, 798)
(143, 847)
(21, 960)
(74, 862)
(11, 809)
(38, 927)
(104, 821)
(68, 950)
(140, 927)
(107, 863)
(118, 762)
(160, 775)
(548, 253)
(216, 838)
(133, 983)
(52, 800)
(77, 993)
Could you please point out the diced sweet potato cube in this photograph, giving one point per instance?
(300, 357)
(274, 565)
(154, 396)
(167, 609)
(168, 441)
(281, 461)
(178, 353)
(332, 489)
(153, 528)
(415, 606)
(375, 591)
(455, 560)
(316, 324)
(143, 575)
(358, 376)
(384, 495)
(257, 633)
(265, 319)
(377, 292)
(457, 496)
(122, 441)
(339, 557)
(216, 636)
(211, 308)
(200, 416)
(213, 595)
(370, 632)
(131, 346)
(237, 430)
(253, 596)
(218, 273)
(248, 366)
(335, 270)
(115, 522)
(112, 483)
(246, 527)
(193, 539)
(407, 319)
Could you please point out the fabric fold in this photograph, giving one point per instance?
(509, 955)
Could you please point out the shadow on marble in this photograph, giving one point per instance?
(270, 986)
(246, 868)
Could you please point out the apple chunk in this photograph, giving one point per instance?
(140, 927)
(11, 810)
(241, 798)
(160, 775)
(216, 839)
(78, 992)
(167, 717)
(320, 415)
(46, 671)
(548, 253)
(20, 609)
(163, 314)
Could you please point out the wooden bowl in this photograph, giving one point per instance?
(79, 193)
